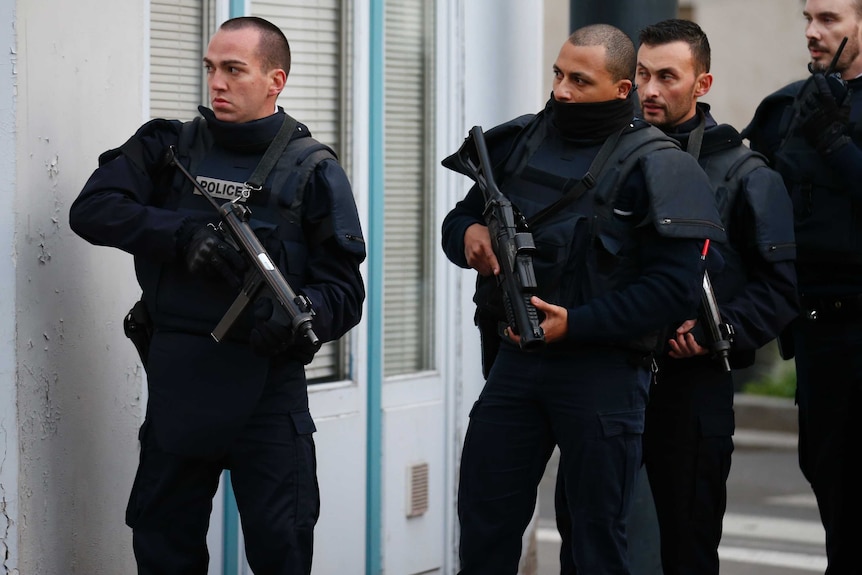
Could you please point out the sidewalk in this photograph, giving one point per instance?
(763, 420)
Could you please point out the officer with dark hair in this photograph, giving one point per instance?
(810, 131)
(689, 417)
(241, 403)
(615, 262)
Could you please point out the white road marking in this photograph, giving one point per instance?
(772, 528)
(800, 561)
(757, 527)
(799, 500)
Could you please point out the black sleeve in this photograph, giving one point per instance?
(333, 280)
(500, 140)
(465, 213)
(763, 228)
(119, 204)
(766, 305)
(665, 289)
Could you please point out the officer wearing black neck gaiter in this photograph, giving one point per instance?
(616, 260)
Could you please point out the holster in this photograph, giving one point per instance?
(786, 347)
(489, 339)
(139, 328)
(488, 317)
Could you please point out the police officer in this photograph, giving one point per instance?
(810, 130)
(689, 418)
(689, 421)
(240, 404)
(614, 263)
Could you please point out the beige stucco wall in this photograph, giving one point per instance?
(80, 71)
(757, 47)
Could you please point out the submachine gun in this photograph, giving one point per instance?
(512, 244)
(721, 333)
(234, 226)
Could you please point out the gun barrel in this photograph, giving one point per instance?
(721, 345)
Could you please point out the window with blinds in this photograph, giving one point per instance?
(408, 291)
(179, 34)
(314, 95)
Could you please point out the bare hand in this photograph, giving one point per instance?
(683, 344)
(555, 323)
(478, 251)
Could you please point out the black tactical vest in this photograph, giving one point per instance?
(584, 250)
(177, 299)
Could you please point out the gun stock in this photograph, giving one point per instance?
(234, 222)
(512, 247)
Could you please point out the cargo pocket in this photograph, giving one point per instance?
(303, 422)
(622, 422)
(133, 508)
(712, 460)
(623, 451)
(307, 489)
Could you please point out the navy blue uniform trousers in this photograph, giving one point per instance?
(687, 453)
(274, 478)
(829, 392)
(590, 401)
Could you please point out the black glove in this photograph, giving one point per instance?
(824, 116)
(272, 333)
(208, 254)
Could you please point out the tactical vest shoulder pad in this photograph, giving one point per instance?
(726, 161)
(681, 200)
(500, 140)
(140, 148)
(772, 210)
(294, 169)
(194, 142)
(732, 169)
(639, 139)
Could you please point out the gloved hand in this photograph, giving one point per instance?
(824, 118)
(272, 333)
(208, 254)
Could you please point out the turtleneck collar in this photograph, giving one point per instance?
(591, 121)
(251, 137)
(692, 123)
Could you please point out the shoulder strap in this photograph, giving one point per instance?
(695, 139)
(751, 160)
(585, 183)
(272, 154)
(187, 135)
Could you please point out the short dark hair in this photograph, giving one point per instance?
(273, 47)
(620, 60)
(677, 30)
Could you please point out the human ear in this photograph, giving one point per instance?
(702, 84)
(624, 88)
(277, 79)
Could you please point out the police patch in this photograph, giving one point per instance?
(222, 189)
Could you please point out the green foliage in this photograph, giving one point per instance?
(780, 382)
